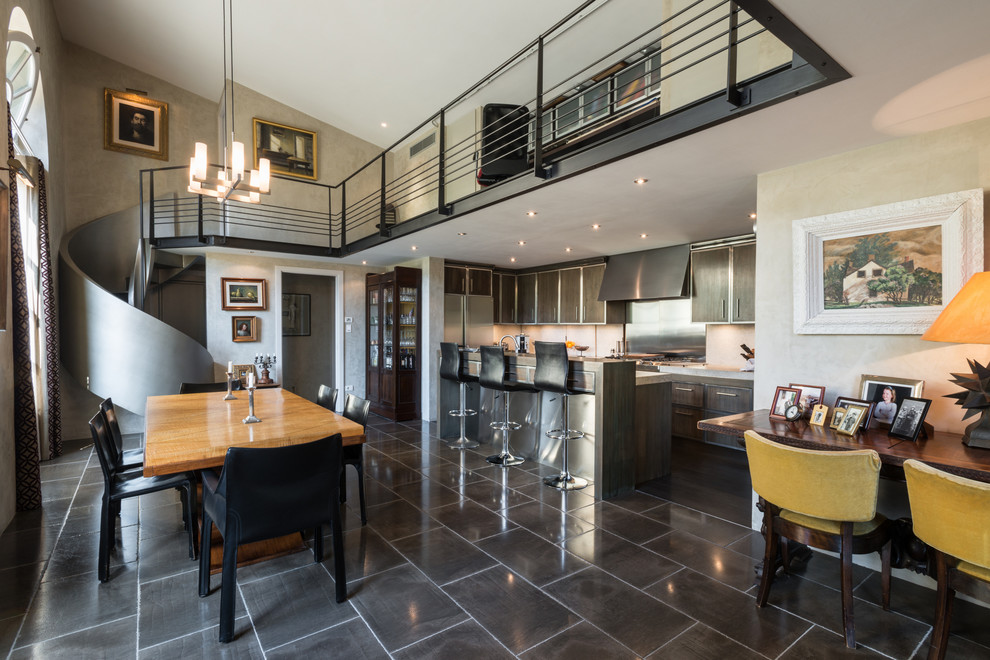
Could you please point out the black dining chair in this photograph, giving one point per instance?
(118, 485)
(199, 388)
(125, 459)
(356, 409)
(327, 397)
(264, 493)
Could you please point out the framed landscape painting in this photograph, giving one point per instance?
(242, 294)
(291, 151)
(887, 269)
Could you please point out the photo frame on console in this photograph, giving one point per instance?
(910, 419)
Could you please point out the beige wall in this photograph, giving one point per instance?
(944, 161)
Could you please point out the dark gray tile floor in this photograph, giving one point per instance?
(459, 559)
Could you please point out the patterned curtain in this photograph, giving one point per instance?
(50, 315)
(27, 466)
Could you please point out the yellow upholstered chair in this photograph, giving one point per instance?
(824, 499)
(952, 516)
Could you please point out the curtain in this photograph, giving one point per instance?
(49, 313)
(27, 467)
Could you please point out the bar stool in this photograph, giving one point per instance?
(452, 368)
(493, 377)
(551, 376)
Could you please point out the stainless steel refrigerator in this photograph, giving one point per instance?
(467, 320)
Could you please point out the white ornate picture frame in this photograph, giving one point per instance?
(960, 216)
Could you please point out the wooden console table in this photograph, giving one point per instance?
(942, 450)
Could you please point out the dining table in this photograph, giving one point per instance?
(188, 432)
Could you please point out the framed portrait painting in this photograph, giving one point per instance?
(244, 328)
(291, 151)
(886, 269)
(135, 124)
(240, 294)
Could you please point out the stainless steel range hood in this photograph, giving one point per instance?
(647, 275)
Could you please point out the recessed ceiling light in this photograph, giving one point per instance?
(596, 226)
(752, 216)
(512, 259)
(462, 233)
(384, 124)
(415, 248)
(566, 249)
(522, 242)
(531, 213)
(641, 236)
(640, 181)
(364, 263)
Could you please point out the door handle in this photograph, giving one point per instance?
(737, 308)
(684, 389)
(723, 308)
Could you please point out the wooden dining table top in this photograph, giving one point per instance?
(193, 431)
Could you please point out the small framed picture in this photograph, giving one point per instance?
(243, 294)
(295, 315)
(783, 398)
(811, 395)
(241, 372)
(819, 414)
(837, 415)
(854, 417)
(844, 401)
(245, 328)
(886, 392)
(910, 418)
(135, 124)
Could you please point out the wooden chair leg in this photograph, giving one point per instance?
(845, 553)
(206, 541)
(885, 575)
(228, 587)
(943, 608)
(785, 554)
(771, 541)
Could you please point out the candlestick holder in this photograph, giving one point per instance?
(251, 419)
(265, 362)
(230, 387)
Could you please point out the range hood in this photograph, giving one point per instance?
(647, 275)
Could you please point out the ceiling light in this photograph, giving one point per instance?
(522, 242)
(384, 124)
(512, 259)
(752, 216)
(531, 213)
(364, 263)
(228, 184)
(567, 249)
(596, 226)
(462, 233)
(414, 248)
(643, 235)
(640, 181)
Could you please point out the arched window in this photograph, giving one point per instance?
(23, 76)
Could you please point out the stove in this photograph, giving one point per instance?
(656, 362)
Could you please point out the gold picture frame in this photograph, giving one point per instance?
(853, 419)
(241, 372)
(244, 328)
(135, 124)
(836, 419)
(242, 294)
(819, 415)
(291, 151)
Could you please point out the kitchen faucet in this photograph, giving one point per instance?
(515, 344)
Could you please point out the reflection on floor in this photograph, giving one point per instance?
(459, 559)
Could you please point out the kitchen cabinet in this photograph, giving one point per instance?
(392, 341)
(504, 292)
(464, 280)
(592, 309)
(455, 280)
(570, 295)
(526, 298)
(723, 284)
(700, 398)
(547, 296)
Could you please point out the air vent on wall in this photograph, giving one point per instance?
(422, 144)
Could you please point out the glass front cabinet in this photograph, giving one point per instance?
(393, 355)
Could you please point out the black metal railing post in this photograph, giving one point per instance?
(151, 207)
(383, 229)
(199, 219)
(330, 218)
(732, 94)
(538, 169)
(343, 217)
(442, 207)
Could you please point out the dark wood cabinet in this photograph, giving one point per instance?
(570, 295)
(455, 280)
(696, 400)
(479, 282)
(592, 309)
(504, 292)
(393, 355)
(526, 298)
(723, 284)
(464, 280)
(547, 296)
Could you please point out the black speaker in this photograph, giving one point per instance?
(504, 141)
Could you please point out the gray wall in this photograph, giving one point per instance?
(307, 362)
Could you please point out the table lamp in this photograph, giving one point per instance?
(966, 320)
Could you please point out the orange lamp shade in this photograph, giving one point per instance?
(966, 319)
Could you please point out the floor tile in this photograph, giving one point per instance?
(115, 639)
(702, 643)
(419, 459)
(27, 546)
(443, 555)
(622, 522)
(292, 605)
(427, 494)
(566, 500)
(465, 640)
(623, 559)
(821, 644)
(8, 631)
(637, 501)
(471, 520)
(453, 475)
(618, 610)
(401, 606)
(165, 555)
(365, 553)
(390, 472)
(729, 567)
(58, 489)
(172, 608)
(53, 471)
(708, 527)
(374, 493)
(205, 645)
(78, 553)
(52, 514)
(767, 630)
(531, 556)
(351, 639)
(388, 444)
(580, 641)
(398, 519)
(511, 609)
(549, 522)
(494, 496)
(17, 587)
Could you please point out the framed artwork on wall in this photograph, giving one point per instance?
(291, 151)
(135, 124)
(295, 315)
(244, 328)
(241, 372)
(887, 269)
(239, 293)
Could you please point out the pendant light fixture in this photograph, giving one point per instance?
(230, 182)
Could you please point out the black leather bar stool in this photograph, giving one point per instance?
(551, 376)
(452, 368)
(493, 377)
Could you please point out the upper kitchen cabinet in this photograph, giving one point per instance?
(570, 295)
(504, 291)
(526, 298)
(723, 284)
(594, 310)
(463, 280)
(547, 296)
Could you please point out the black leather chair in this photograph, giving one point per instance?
(452, 368)
(119, 486)
(327, 397)
(199, 388)
(263, 493)
(125, 459)
(493, 377)
(356, 409)
(551, 376)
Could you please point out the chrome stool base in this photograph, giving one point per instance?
(463, 443)
(505, 459)
(566, 481)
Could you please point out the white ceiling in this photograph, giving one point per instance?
(916, 66)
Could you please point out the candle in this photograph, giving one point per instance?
(230, 367)
(250, 379)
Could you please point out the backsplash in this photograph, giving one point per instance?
(722, 346)
(600, 339)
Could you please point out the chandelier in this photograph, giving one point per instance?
(230, 182)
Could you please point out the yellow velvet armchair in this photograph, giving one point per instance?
(952, 516)
(824, 499)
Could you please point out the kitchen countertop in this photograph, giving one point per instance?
(702, 371)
